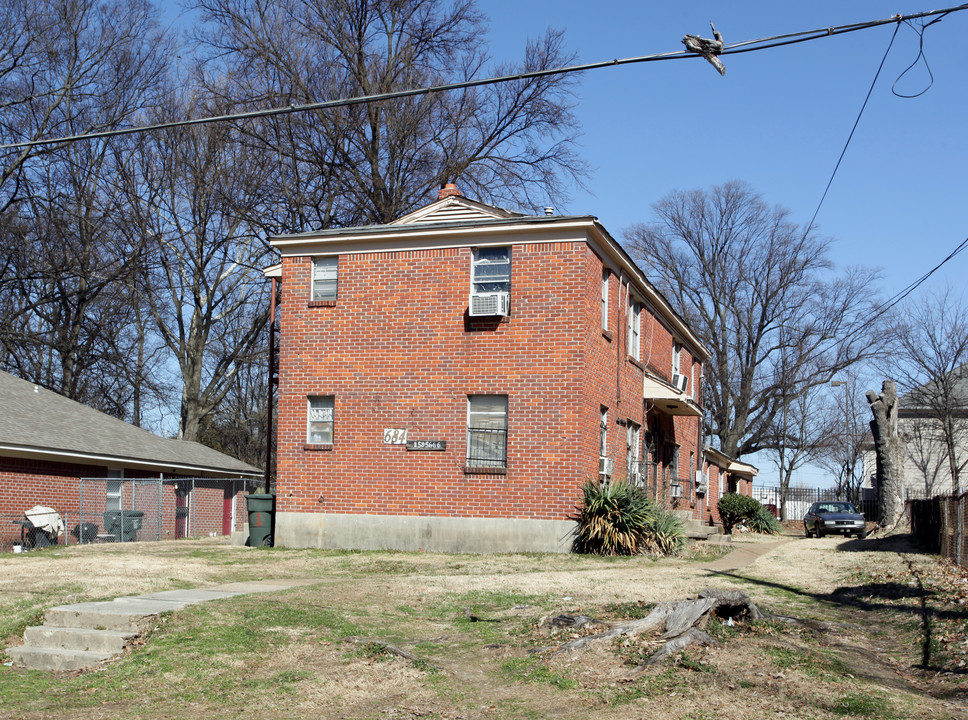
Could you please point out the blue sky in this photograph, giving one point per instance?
(778, 120)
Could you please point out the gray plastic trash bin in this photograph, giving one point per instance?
(123, 524)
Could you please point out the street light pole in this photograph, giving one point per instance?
(847, 449)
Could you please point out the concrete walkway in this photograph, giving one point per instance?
(80, 636)
(744, 554)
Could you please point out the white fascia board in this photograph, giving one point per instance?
(717, 457)
(392, 238)
(741, 468)
(80, 458)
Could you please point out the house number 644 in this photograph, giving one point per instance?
(395, 436)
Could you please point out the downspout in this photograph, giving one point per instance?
(273, 380)
(699, 442)
(618, 342)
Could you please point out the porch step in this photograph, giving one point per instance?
(696, 530)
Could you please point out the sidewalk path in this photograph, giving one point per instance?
(83, 635)
(744, 555)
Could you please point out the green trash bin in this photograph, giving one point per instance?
(261, 508)
(123, 524)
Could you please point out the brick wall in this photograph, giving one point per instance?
(28, 482)
(398, 350)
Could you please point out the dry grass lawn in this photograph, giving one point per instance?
(887, 637)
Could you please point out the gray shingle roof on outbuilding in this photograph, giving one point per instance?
(35, 422)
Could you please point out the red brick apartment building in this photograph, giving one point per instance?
(449, 380)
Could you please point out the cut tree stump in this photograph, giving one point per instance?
(679, 622)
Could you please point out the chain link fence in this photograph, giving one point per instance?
(113, 510)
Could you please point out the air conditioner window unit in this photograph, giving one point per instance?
(605, 466)
(700, 483)
(675, 490)
(680, 382)
(490, 304)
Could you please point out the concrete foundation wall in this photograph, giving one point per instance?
(431, 534)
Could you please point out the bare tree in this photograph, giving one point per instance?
(847, 419)
(60, 58)
(202, 282)
(802, 432)
(760, 292)
(931, 362)
(927, 453)
(372, 163)
(70, 67)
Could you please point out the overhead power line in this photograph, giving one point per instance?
(730, 49)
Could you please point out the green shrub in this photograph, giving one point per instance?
(619, 519)
(735, 508)
(764, 522)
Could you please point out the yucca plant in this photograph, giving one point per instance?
(664, 534)
(616, 518)
(764, 522)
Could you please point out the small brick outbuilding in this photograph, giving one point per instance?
(48, 443)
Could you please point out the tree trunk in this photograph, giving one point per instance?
(890, 452)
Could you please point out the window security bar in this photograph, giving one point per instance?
(487, 447)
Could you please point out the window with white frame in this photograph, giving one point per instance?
(325, 276)
(674, 486)
(491, 270)
(490, 281)
(633, 434)
(320, 420)
(605, 300)
(604, 461)
(635, 327)
(676, 361)
(487, 431)
(114, 490)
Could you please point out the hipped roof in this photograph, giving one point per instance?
(40, 424)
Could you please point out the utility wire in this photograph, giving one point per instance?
(851, 135)
(734, 48)
(891, 302)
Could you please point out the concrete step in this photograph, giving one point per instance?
(126, 615)
(73, 638)
(43, 658)
(81, 636)
(696, 530)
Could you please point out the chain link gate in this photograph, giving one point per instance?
(149, 509)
